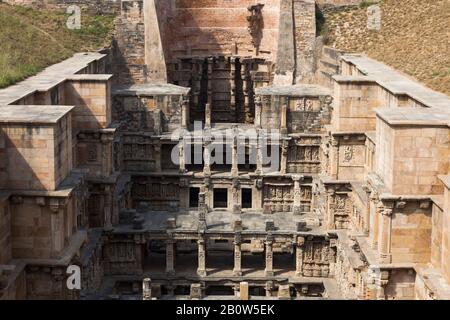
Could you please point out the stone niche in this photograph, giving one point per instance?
(149, 108)
(95, 152)
(140, 153)
(352, 157)
(159, 194)
(304, 155)
(295, 109)
(278, 195)
(338, 209)
(123, 254)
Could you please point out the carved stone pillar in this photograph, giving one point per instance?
(283, 119)
(182, 156)
(245, 88)
(234, 158)
(237, 270)
(107, 157)
(157, 121)
(381, 285)
(184, 194)
(244, 291)
(57, 230)
(329, 218)
(297, 195)
(384, 245)
(201, 270)
(269, 287)
(207, 159)
(283, 158)
(233, 87)
(208, 190)
(210, 71)
(207, 116)
(236, 196)
(299, 256)
(376, 225)
(202, 211)
(147, 289)
(334, 162)
(259, 158)
(157, 149)
(258, 112)
(377, 282)
(185, 114)
(170, 257)
(107, 207)
(269, 256)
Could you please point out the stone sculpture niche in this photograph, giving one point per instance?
(256, 24)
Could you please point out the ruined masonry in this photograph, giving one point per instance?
(358, 207)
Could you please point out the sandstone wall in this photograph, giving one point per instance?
(410, 159)
(129, 45)
(305, 38)
(33, 161)
(92, 98)
(355, 102)
(208, 27)
(446, 231)
(5, 232)
(411, 234)
(42, 227)
(437, 259)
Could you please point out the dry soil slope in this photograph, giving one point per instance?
(414, 37)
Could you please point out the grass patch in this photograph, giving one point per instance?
(34, 39)
(366, 4)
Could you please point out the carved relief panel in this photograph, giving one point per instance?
(304, 155)
(317, 258)
(139, 153)
(352, 155)
(278, 196)
(161, 194)
(303, 115)
(342, 209)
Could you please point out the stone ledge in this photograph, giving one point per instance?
(414, 117)
(302, 90)
(49, 78)
(76, 241)
(90, 77)
(32, 114)
(396, 82)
